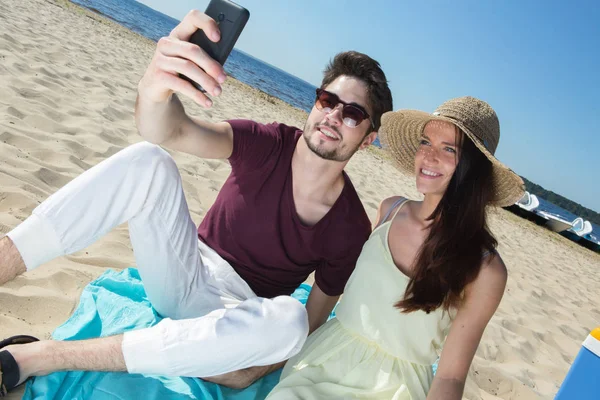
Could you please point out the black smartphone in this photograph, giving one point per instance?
(231, 19)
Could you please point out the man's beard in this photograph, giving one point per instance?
(330, 155)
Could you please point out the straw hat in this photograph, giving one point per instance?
(402, 130)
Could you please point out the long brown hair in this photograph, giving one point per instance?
(451, 256)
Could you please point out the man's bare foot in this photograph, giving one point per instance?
(242, 378)
(11, 263)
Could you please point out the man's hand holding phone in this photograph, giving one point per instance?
(175, 55)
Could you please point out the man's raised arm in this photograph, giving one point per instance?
(160, 115)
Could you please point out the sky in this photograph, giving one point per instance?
(536, 62)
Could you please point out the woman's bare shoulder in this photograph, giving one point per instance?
(491, 280)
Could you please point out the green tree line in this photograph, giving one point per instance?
(562, 202)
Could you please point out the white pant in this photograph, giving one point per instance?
(214, 322)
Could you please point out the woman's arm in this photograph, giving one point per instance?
(482, 298)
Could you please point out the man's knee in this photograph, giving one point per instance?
(289, 325)
(149, 153)
(152, 161)
(272, 330)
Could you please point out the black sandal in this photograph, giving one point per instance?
(9, 370)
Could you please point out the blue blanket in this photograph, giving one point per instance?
(114, 303)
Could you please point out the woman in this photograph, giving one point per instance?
(428, 277)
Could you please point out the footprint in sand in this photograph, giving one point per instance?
(47, 83)
(15, 113)
(49, 74)
(52, 178)
(10, 201)
(81, 165)
(570, 332)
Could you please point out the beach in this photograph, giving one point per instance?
(68, 83)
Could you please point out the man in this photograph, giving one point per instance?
(286, 210)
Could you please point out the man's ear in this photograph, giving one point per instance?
(368, 140)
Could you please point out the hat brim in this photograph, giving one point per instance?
(401, 133)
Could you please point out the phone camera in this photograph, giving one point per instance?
(221, 17)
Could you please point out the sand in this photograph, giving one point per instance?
(68, 83)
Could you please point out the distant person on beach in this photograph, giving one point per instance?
(429, 278)
(288, 209)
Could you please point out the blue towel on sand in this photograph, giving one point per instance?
(114, 303)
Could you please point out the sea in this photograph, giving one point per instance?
(240, 65)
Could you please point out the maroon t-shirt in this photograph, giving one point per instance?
(253, 223)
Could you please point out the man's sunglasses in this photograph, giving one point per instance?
(352, 114)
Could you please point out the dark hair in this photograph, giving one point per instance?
(363, 67)
(451, 256)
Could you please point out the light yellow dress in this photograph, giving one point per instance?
(370, 350)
